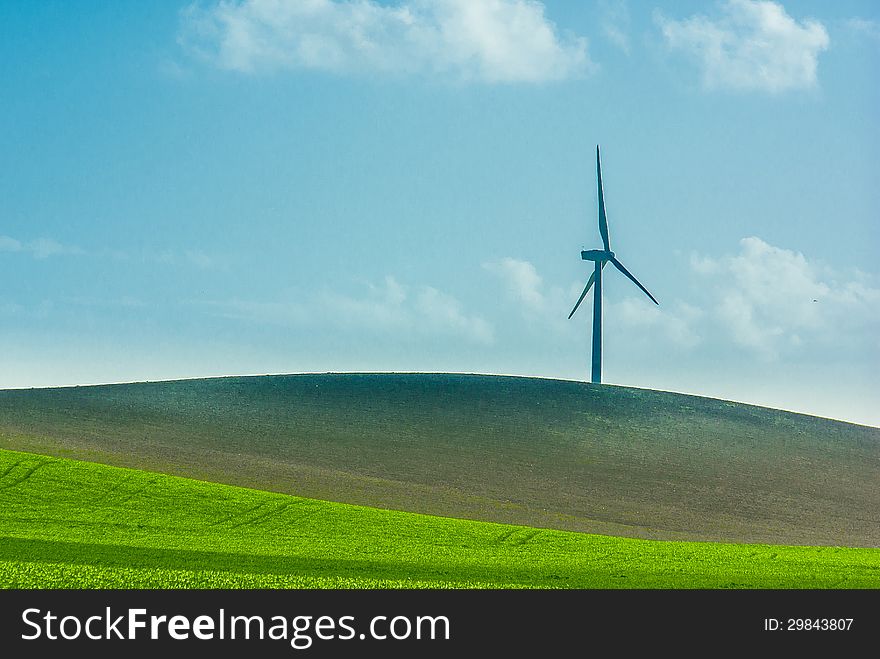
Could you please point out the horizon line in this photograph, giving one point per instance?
(422, 372)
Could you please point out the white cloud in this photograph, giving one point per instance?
(495, 41)
(168, 257)
(43, 248)
(389, 308)
(676, 323)
(124, 302)
(198, 258)
(544, 307)
(864, 27)
(445, 313)
(547, 306)
(40, 248)
(753, 45)
(8, 244)
(383, 308)
(772, 301)
(615, 23)
(769, 301)
(522, 282)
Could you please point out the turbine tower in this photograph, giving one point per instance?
(600, 257)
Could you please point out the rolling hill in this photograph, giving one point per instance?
(71, 524)
(541, 453)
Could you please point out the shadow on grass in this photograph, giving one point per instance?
(121, 556)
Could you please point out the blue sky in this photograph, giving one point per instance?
(266, 186)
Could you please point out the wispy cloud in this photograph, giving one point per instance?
(41, 248)
(522, 282)
(393, 307)
(271, 313)
(34, 310)
(445, 312)
(752, 45)
(772, 301)
(493, 41)
(389, 308)
(676, 323)
(766, 301)
(548, 306)
(380, 307)
(44, 248)
(864, 27)
(615, 23)
(200, 259)
(123, 302)
(168, 257)
(543, 305)
(8, 244)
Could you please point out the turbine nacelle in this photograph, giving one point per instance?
(597, 255)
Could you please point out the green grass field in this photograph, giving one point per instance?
(541, 453)
(67, 523)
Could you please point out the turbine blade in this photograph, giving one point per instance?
(586, 290)
(583, 295)
(619, 266)
(603, 220)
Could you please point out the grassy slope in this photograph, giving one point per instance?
(76, 524)
(543, 453)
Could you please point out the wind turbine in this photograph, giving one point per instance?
(600, 257)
